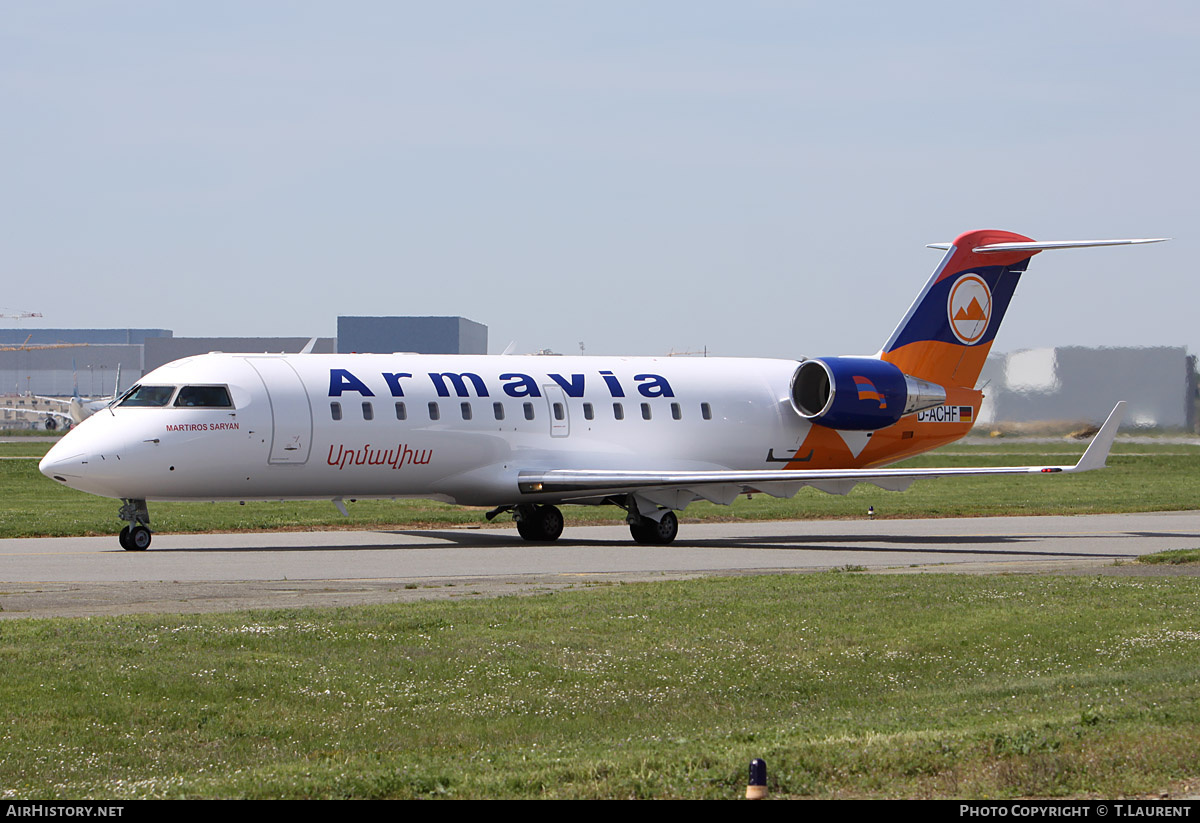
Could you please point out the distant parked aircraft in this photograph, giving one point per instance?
(72, 410)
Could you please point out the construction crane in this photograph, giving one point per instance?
(17, 314)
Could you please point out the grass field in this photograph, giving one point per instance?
(849, 685)
(1140, 477)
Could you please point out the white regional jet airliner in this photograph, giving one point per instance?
(525, 433)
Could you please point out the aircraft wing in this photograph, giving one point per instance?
(724, 486)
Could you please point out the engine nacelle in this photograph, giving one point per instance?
(859, 393)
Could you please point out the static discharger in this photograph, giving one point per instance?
(757, 788)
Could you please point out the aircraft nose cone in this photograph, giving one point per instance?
(89, 459)
(62, 466)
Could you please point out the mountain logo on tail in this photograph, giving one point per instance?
(970, 308)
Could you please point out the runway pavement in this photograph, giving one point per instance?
(41, 577)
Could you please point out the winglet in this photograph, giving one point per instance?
(1097, 452)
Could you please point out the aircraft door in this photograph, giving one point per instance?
(560, 413)
(291, 412)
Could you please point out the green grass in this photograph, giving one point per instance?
(24, 449)
(1174, 557)
(847, 684)
(1139, 478)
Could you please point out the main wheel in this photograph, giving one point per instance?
(542, 524)
(667, 529)
(551, 522)
(646, 531)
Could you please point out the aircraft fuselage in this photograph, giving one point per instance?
(456, 427)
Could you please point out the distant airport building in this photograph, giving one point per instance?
(1075, 384)
(49, 337)
(56, 362)
(52, 362)
(163, 350)
(55, 371)
(423, 335)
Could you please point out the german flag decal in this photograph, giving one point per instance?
(947, 414)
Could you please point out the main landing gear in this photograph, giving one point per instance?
(540, 524)
(136, 536)
(646, 531)
(544, 524)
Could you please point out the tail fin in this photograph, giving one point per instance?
(947, 334)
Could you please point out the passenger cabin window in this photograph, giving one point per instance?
(559, 411)
(588, 411)
(645, 411)
(618, 411)
(211, 397)
(528, 411)
(434, 412)
(498, 410)
(335, 410)
(706, 411)
(676, 412)
(368, 411)
(401, 412)
(466, 411)
(148, 396)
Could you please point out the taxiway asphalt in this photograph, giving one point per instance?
(42, 577)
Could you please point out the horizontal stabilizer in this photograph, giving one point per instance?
(993, 248)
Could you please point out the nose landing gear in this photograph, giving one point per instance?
(136, 536)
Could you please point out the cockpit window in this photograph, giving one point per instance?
(213, 397)
(147, 396)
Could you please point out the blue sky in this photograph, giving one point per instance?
(757, 178)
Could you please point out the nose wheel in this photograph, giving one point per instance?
(136, 536)
(134, 539)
